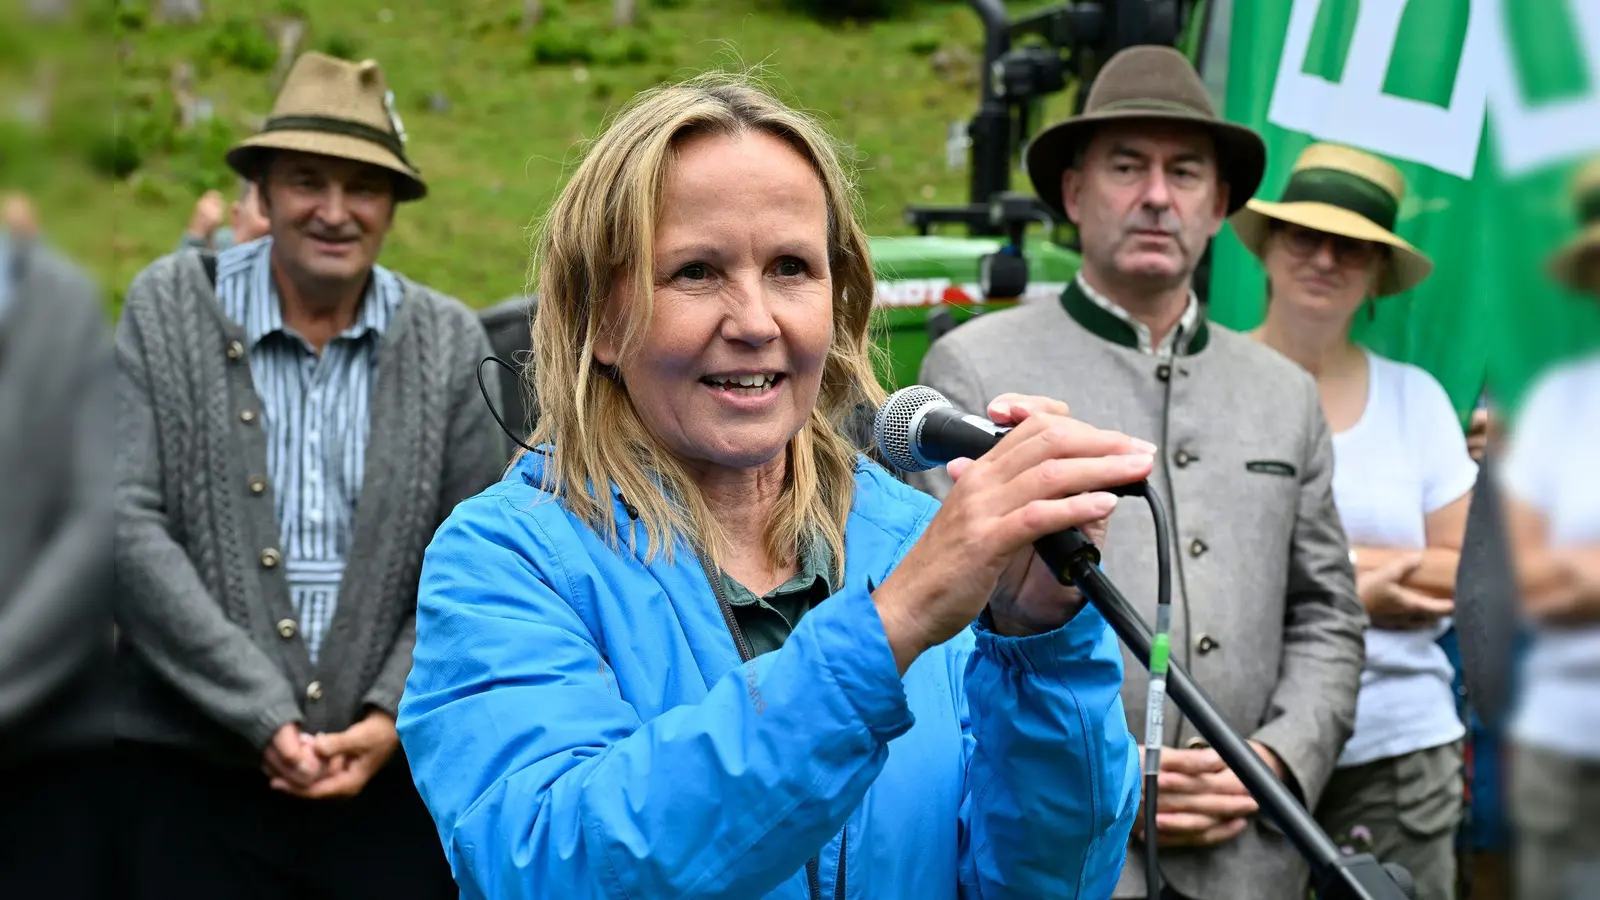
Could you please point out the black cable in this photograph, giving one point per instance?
(1156, 701)
(490, 403)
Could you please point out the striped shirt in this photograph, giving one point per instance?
(314, 409)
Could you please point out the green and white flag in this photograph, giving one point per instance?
(1487, 106)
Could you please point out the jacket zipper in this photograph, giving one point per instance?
(713, 576)
(813, 876)
(838, 887)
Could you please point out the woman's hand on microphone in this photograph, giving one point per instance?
(1048, 474)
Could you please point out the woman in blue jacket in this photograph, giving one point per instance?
(696, 646)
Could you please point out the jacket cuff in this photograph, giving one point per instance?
(849, 633)
(1050, 653)
(383, 700)
(267, 724)
(1304, 774)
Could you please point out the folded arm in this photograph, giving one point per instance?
(1559, 585)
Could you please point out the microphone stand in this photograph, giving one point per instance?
(1075, 560)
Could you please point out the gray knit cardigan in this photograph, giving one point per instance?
(210, 656)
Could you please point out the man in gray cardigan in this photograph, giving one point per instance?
(55, 576)
(294, 423)
(1265, 615)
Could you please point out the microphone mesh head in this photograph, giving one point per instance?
(892, 428)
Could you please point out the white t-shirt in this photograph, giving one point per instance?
(1550, 465)
(1406, 457)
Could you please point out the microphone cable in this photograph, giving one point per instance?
(1156, 697)
(484, 389)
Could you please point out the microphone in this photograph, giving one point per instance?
(918, 429)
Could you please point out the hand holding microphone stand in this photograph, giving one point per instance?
(917, 429)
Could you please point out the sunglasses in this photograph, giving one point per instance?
(1304, 242)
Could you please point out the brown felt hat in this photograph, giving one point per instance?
(1577, 262)
(337, 108)
(1155, 84)
(1344, 191)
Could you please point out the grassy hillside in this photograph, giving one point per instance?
(495, 116)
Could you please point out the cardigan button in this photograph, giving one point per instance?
(258, 485)
(235, 350)
(270, 558)
(314, 691)
(1206, 644)
(1197, 547)
(247, 416)
(1163, 372)
(286, 628)
(1182, 458)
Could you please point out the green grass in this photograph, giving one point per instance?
(520, 107)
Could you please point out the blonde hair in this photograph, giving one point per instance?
(595, 247)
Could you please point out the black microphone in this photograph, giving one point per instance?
(918, 429)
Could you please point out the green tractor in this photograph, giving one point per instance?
(932, 282)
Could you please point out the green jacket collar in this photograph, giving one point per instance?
(1107, 326)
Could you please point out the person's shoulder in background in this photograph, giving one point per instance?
(1260, 378)
(68, 285)
(443, 308)
(1246, 352)
(159, 281)
(1002, 326)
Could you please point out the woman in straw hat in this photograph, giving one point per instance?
(1402, 482)
(667, 655)
(1553, 515)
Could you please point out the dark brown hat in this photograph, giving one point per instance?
(1156, 84)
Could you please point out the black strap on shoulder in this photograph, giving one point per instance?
(209, 262)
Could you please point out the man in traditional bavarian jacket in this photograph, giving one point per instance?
(1265, 615)
(295, 421)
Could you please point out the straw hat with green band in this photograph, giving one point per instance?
(1147, 83)
(1341, 191)
(1572, 264)
(335, 108)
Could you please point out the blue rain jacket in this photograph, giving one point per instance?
(580, 725)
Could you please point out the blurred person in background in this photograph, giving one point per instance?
(1402, 480)
(295, 422)
(1264, 609)
(1552, 491)
(55, 573)
(17, 218)
(695, 645)
(246, 221)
